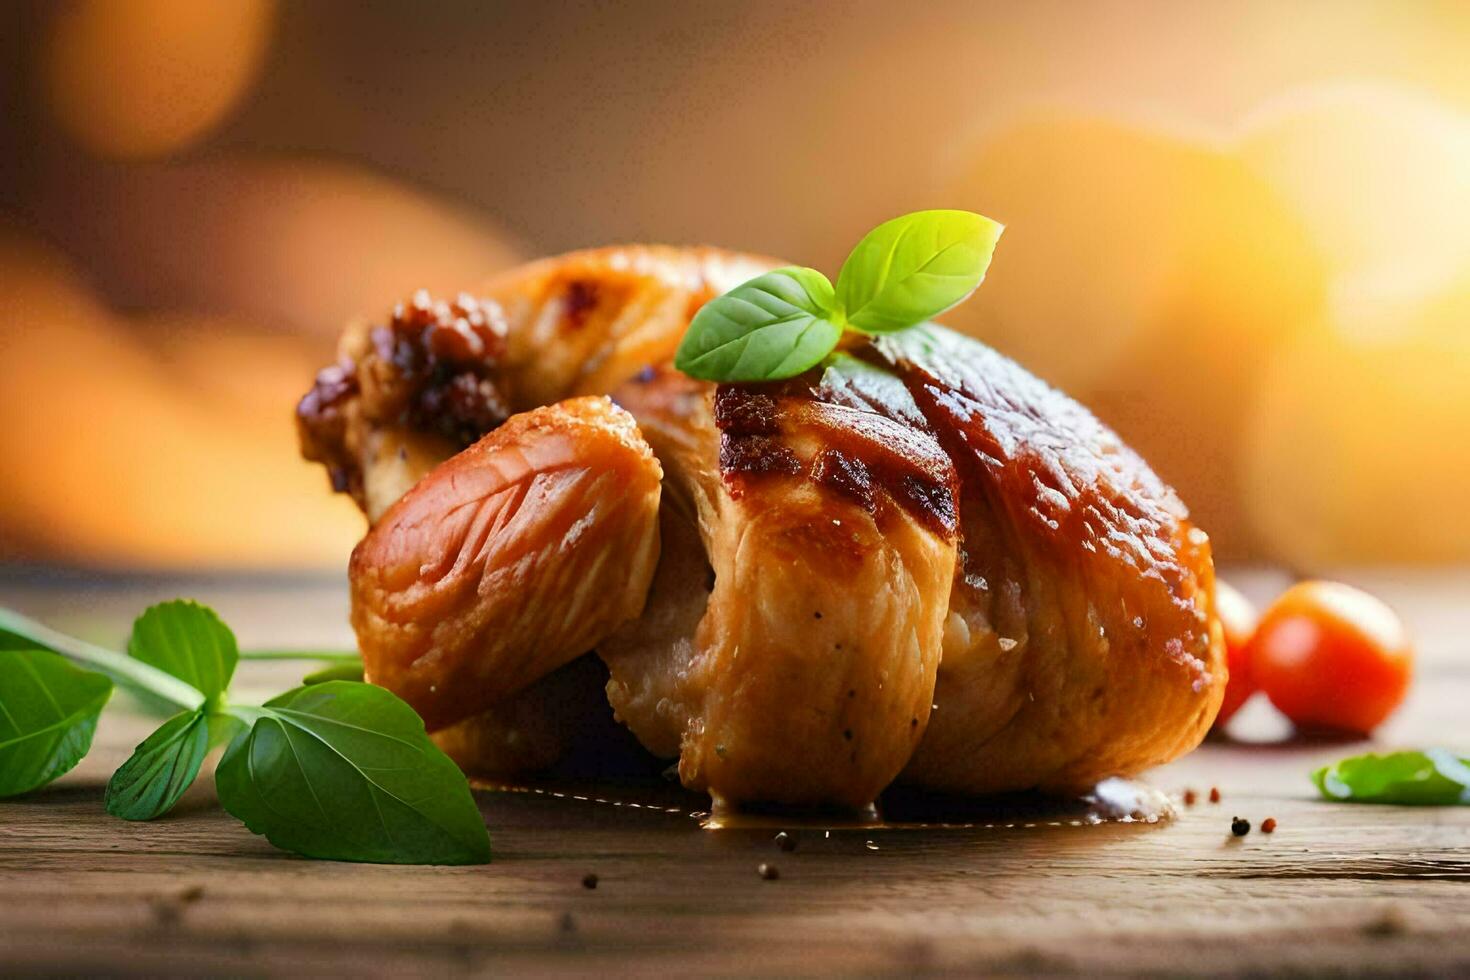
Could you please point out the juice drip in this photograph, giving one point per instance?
(1111, 801)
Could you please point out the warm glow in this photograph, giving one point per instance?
(1361, 451)
(140, 78)
(1243, 239)
(117, 455)
(296, 242)
(1380, 176)
(1149, 273)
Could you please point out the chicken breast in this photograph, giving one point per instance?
(508, 560)
(1081, 641)
(789, 649)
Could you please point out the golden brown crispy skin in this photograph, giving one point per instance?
(1082, 641)
(508, 560)
(798, 668)
(585, 322)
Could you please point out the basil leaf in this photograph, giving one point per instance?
(336, 672)
(775, 326)
(1432, 777)
(345, 772)
(162, 767)
(189, 641)
(912, 268)
(48, 715)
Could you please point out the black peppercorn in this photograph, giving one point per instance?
(589, 881)
(768, 872)
(785, 841)
(1240, 826)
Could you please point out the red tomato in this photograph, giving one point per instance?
(1331, 656)
(1238, 619)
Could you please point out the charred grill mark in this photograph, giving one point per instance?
(742, 410)
(580, 300)
(933, 500)
(749, 444)
(1071, 474)
(846, 474)
(863, 459)
(740, 454)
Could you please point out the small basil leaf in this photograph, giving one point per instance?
(48, 715)
(190, 642)
(345, 772)
(1432, 777)
(912, 268)
(775, 326)
(336, 672)
(162, 767)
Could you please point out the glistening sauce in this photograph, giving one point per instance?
(1111, 801)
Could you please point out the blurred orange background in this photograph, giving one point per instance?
(1239, 231)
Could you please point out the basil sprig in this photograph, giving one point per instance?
(1427, 777)
(784, 322)
(335, 770)
(344, 771)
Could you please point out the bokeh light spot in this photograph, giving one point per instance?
(143, 78)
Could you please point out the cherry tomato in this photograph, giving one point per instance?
(1331, 656)
(1238, 619)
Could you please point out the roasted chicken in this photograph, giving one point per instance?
(916, 563)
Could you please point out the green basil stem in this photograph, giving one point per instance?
(326, 656)
(120, 667)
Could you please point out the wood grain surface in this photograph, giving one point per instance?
(1020, 890)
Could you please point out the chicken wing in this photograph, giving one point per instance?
(508, 560)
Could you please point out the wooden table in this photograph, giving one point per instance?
(1336, 888)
